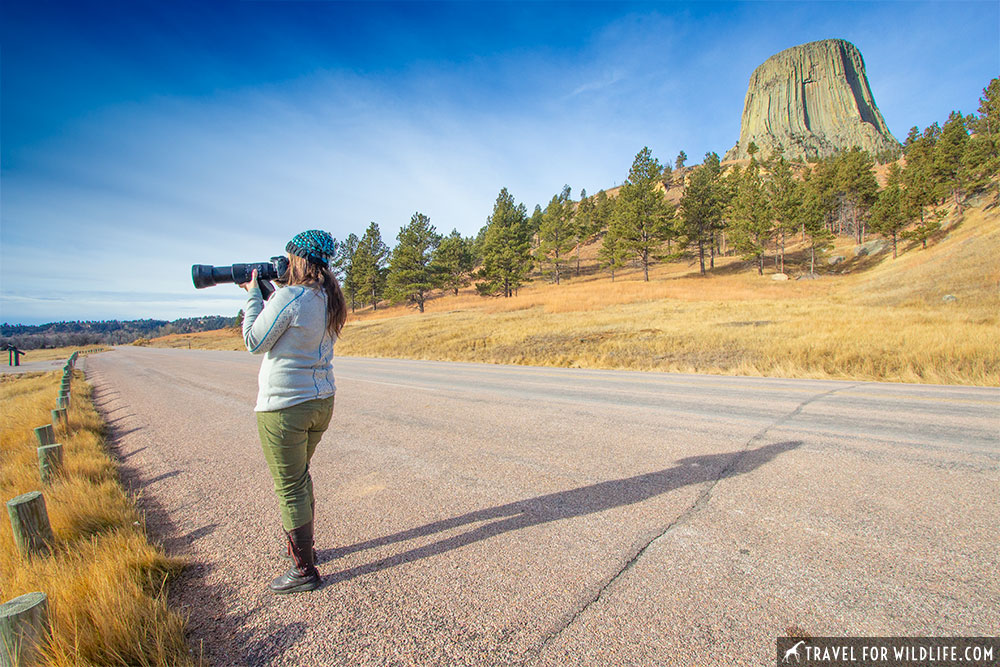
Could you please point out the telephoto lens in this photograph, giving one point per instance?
(206, 275)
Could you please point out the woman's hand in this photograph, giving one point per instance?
(252, 283)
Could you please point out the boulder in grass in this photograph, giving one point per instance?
(949, 298)
(779, 276)
(836, 259)
(871, 248)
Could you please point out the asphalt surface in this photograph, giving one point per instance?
(31, 366)
(495, 515)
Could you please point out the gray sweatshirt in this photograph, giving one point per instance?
(290, 331)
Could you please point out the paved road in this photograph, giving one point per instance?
(31, 366)
(491, 515)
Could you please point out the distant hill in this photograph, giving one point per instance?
(113, 332)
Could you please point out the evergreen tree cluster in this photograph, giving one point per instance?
(422, 261)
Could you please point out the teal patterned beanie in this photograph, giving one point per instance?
(315, 246)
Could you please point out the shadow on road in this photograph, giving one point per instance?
(555, 506)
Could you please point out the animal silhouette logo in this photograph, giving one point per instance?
(794, 651)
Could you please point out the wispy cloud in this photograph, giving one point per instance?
(597, 85)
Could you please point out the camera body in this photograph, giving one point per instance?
(206, 275)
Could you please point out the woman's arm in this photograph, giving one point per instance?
(263, 323)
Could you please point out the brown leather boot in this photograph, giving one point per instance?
(287, 553)
(303, 575)
(288, 545)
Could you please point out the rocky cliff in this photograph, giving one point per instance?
(812, 100)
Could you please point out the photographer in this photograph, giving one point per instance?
(296, 330)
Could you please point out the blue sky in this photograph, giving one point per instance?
(138, 138)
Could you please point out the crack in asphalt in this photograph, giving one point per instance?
(702, 499)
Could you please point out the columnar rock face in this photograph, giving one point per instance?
(812, 100)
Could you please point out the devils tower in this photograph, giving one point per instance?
(812, 100)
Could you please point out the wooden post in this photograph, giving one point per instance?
(24, 623)
(64, 415)
(50, 459)
(45, 435)
(55, 419)
(63, 401)
(30, 523)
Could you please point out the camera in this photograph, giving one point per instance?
(206, 275)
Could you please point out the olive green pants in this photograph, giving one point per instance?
(289, 437)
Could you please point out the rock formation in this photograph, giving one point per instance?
(812, 100)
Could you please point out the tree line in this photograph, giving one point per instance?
(750, 209)
(103, 332)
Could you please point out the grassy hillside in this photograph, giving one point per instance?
(871, 318)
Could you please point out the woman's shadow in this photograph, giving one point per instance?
(555, 506)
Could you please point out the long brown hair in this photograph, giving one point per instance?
(303, 272)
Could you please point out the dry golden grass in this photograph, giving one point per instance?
(220, 339)
(869, 318)
(104, 581)
(55, 353)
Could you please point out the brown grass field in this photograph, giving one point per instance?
(53, 353)
(868, 318)
(104, 581)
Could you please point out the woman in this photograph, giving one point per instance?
(295, 331)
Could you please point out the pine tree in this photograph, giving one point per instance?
(610, 253)
(411, 272)
(918, 176)
(667, 177)
(813, 215)
(535, 225)
(948, 155)
(728, 187)
(785, 202)
(988, 123)
(891, 212)
(581, 223)
(858, 185)
(925, 229)
(751, 216)
(454, 261)
(642, 216)
(556, 235)
(506, 247)
(981, 161)
(345, 271)
(603, 208)
(823, 181)
(700, 207)
(681, 159)
(369, 266)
